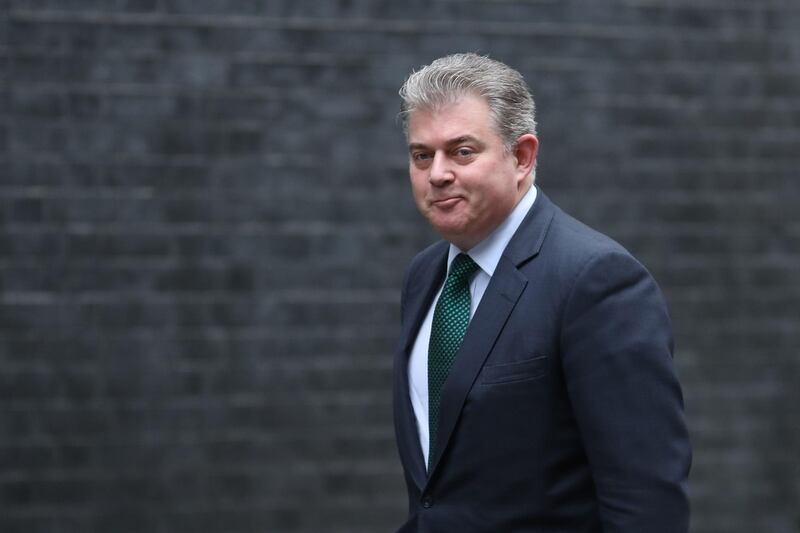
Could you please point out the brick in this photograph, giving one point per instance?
(205, 220)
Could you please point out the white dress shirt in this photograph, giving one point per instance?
(486, 254)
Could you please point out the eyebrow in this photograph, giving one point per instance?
(457, 140)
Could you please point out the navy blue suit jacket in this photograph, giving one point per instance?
(562, 412)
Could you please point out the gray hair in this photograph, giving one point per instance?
(452, 77)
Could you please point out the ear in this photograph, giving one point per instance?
(525, 154)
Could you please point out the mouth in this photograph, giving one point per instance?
(446, 203)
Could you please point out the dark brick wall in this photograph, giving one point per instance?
(204, 220)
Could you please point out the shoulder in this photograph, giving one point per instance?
(557, 239)
(425, 264)
(423, 267)
(577, 253)
(423, 261)
(595, 268)
(574, 243)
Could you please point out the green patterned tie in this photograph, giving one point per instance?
(450, 320)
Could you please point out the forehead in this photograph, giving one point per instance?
(466, 116)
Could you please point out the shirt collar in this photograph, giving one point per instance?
(487, 253)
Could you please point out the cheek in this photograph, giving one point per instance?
(499, 195)
(418, 187)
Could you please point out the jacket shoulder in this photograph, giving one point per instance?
(574, 243)
(425, 258)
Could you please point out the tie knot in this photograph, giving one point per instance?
(462, 268)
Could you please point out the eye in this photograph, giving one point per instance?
(421, 159)
(464, 152)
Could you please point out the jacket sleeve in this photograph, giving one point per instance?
(616, 346)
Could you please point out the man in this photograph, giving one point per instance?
(534, 389)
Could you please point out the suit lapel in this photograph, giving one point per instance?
(499, 300)
(496, 305)
(419, 294)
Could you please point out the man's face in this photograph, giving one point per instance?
(464, 183)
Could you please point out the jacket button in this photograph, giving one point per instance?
(427, 502)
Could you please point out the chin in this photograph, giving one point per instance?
(449, 231)
(460, 239)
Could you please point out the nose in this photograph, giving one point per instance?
(440, 171)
